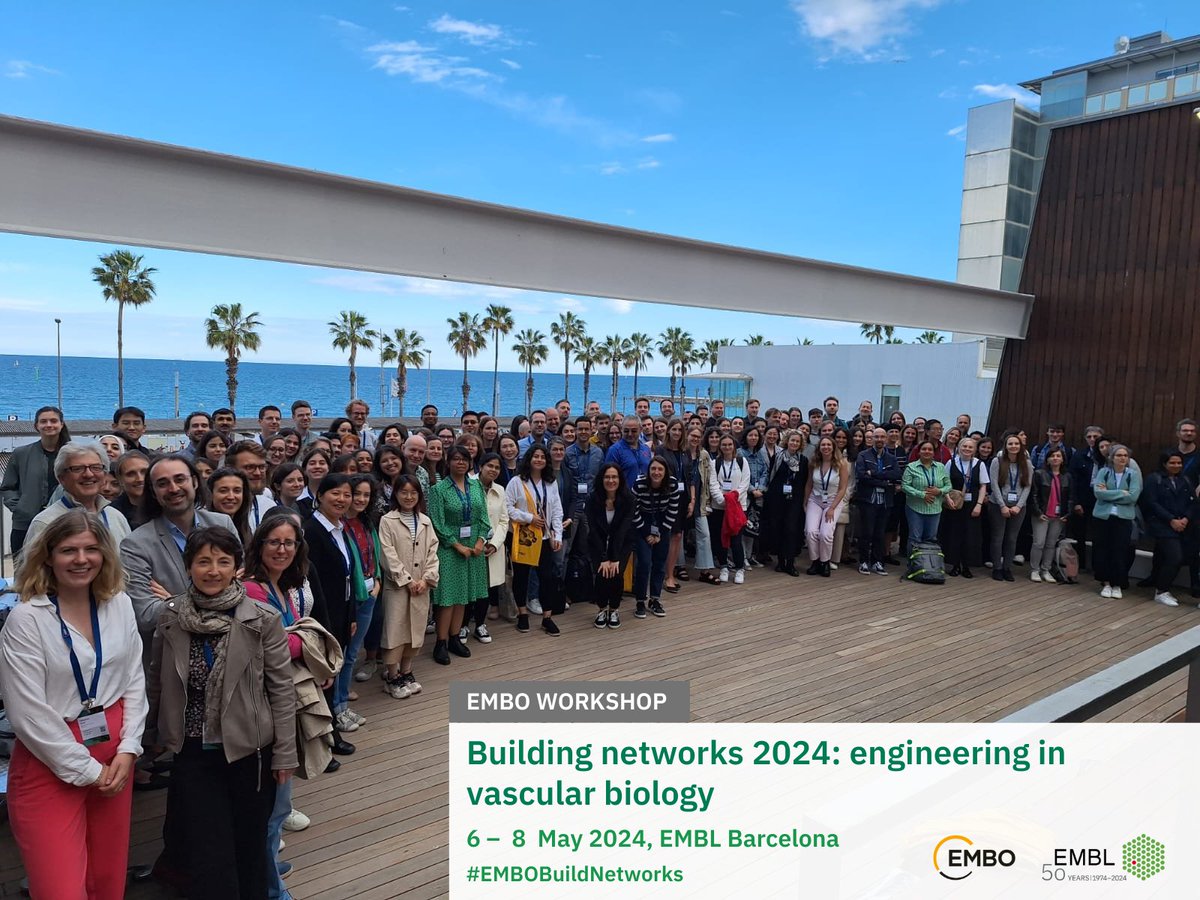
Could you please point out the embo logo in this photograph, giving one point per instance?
(955, 862)
(1143, 857)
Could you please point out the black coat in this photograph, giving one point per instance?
(610, 542)
(328, 566)
(1039, 493)
(1080, 470)
(1164, 499)
(869, 476)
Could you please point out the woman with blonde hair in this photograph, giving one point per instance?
(71, 666)
(824, 494)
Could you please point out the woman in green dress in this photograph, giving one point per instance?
(458, 510)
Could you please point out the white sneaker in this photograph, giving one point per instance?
(1116, 593)
(396, 688)
(724, 576)
(361, 720)
(345, 723)
(483, 635)
(1165, 598)
(1019, 559)
(1035, 575)
(464, 633)
(1047, 578)
(368, 670)
(1106, 592)
(281, 844)
(296, 821)
(739, 577)
(534, 606)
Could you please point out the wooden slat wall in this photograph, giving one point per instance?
(1114, 262)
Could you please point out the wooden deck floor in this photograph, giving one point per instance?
(849, 648)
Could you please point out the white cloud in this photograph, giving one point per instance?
(957, 132)
(948, 94)
(477, 34)
(664, 138)
(620, 307)
(617, 167)
(612, 168)
(648, 162)
(23, 68)
(938, 52)
(511, 63)
(401, 9)
(866, 29)
(424, 64)
(1006, 92)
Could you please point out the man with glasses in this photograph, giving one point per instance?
(877, 473)
(630, 453)
(537, 432)
(1084, 466)
(29, 479)
(302, 417)
(357, 411)
(80, 468)
(250, 459)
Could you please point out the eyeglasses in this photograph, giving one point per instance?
(276, 544)
(261, 467)
(94, 468)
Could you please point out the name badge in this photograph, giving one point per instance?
(680, 488)
(93, 727)
(465, 531)
(787, 490)
(967, 498)
(1012, 497)
(369, 584)
(727, 485)
(581, 488)
(653, 531)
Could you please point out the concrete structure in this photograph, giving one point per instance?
(938, 380)
(66, 182)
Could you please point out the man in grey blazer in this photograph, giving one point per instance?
(153, 554)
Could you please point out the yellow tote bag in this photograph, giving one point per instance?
(527, 543)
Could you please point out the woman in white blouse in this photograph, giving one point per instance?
(71, 671)
(532, 499)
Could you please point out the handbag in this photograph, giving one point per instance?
(953, 500)
(527, 544)
(753, 520)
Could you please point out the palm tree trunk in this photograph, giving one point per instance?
(636, 366)
(466, 385)
(587, 382)
(353, 374)
(401, 387)
(231, 384)
(528, 389)
(567, 372)
(672, 380)
(496, 374)
(614, 387)
(682, 388)
(120, 354)
(382, 383)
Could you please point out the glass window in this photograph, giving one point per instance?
(1095, 105)
(1021, 171)
(1112, 101)
(1015, 237)
(1158, 91)
(1020, 207)
(990, 127)
(1062, 98)
(1186, 84)
(889, 400)
(1010, 274)
(1138, 94)
(1024, 135)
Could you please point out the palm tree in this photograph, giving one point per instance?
(877, 334)
(232, 332)
(614, 350)
(711, 349)
(408, 346)
(807, 342)
(566, 333)
(387, 353)
(467, 337)
(930, 337)
(641, 348)
(588, 354)
(126, 280)
(686, 356)
(499, 321)
(531, 348)
(894, 340)
(350, 332)
(757, 340)
(668, 347)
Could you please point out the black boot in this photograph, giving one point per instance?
(966, 572)
(827, 568)
(815, 568)
(441, 655)
(791, 569)
(457, 647)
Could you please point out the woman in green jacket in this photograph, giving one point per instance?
(925, 482)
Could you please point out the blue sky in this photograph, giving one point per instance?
(828, 129)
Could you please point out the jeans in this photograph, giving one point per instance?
(341, 687)
(922, 527)
(283, 805)
(704, 554)
(1004, 536)
(1045, 540)
(651, 567)
(872, 517)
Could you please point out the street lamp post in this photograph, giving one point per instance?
(429, 376)
(58, 334)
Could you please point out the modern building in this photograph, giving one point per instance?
(1091, 204)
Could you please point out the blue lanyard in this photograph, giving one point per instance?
(879, 461)
(285, 609)
(1013, 475)
(930, 474)
(66, 501)
(464, 498)
(86, 696)
(539, 499)
(1117, 475)
(257, 519)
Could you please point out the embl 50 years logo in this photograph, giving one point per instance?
(956, 857)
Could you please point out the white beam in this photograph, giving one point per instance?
(69, 183)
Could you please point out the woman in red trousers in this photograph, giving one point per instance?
(71, 671)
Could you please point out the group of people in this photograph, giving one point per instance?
(201, 618)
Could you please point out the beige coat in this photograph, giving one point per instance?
(405, 561)
(320, 659)
(498, 516)
(259, 706)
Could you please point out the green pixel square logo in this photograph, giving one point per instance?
(1143, 857)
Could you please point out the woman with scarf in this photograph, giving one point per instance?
(232, 745)
(785, 500)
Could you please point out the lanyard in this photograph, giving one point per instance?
(930, 474)
(879, 461)
(726, 473)
(1117, 475)
(1013, 475)
(86, 695)
(824, 476)
(285, 609)
(416, 522)
(464, 497)
(66, 501)
(257, 519)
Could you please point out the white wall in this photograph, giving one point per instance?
(936, 380)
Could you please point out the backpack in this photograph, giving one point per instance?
(1066, 561)
(577, 584)
(926, 564)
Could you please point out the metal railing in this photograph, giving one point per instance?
(1093, 695)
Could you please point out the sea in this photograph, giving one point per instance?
(89, 388)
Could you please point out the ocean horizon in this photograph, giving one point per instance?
(89, 386)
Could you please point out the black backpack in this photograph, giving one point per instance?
(926, 564)
(577, 584)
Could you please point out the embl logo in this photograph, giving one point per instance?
(954, 861)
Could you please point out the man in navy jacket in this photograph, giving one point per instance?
(877, 471)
